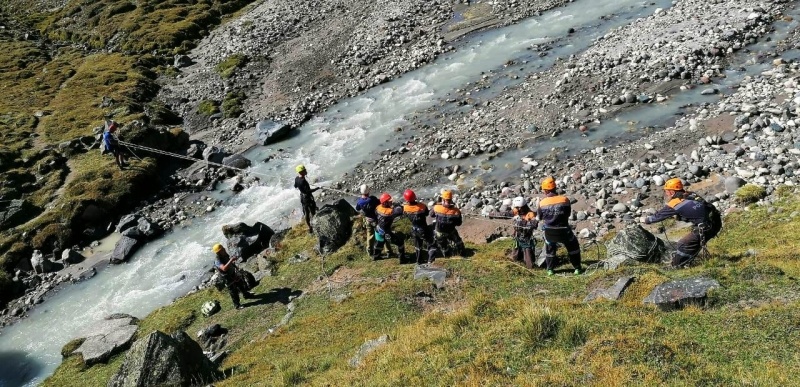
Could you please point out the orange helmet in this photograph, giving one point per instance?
(385, 198)
(674, 185)
(447, 195)
(549, 183)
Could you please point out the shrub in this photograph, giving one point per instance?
(232, 104)
(539, 326)
(52, 234)
(208, 107)
(750, 193)
(229, 65)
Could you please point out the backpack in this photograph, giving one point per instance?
(210, 307)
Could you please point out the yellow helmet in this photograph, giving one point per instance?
(217, 248)
(549, 183)
(674, 185)
(447, 195)
(300, 168)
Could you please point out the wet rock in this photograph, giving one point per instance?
(612, 293)
(108, 338)
(333, 225)
(236, 161)
(366, 349)
(160, 359)
(268, 132)
(245, 241)
(148, 229)
(435, 274)
(677, 294)
(127, 222)
(214, 154)
(124, 248)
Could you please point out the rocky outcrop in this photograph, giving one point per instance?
(333, 225)
(612, 293)
(108, 338)
(246, 241)
(367, 348)
(15, 213)
(236, 161)
(677, 294)
(124, 248)
(268, 132)
(160, 359)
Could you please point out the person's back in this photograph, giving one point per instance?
(367, 205)
(447, 218)
(417, 213)
(386, 216)
(524, 221)
(554, 211)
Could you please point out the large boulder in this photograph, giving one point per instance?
(124, 248)
(236, 161)
(214, 154)
(41, 264)
(333, 225)
(127, 222)
(71, 256)
(677, 294)
(271, 131)
(246, 241)
(634, 244)
(16, 213)
(108, 338)
(148, 229)
(163, 360)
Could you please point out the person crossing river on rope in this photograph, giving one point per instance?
(366, 205)
(524, 223)
(306, 196)
(111, 144)
(554, 211)
(387, 213)
(689, 207)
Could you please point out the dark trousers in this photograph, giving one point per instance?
(394, 238)
(691, 244)
(445, 238)
(423, 237)
(309, 210)
(234, 288)
(524, 250)
(565, 236)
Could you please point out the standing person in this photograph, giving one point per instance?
(306, 196)
(111, 143)
(366, 205)
(226, 266)
(448, 217)
(386, 214)
(524, 224)
(554, 212)
(418, 213)
(687, 206)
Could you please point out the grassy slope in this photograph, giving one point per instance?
(498, 324)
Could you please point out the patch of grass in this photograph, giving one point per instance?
(750, 193)
(208, 107)
(72, 372)
(69, 348)
(227, 68)
(232, 104)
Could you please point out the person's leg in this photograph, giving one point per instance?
(233, 290)
(573, 250)
(431, 245)
(687, 248)
(398, 239)
(527, 256)
(307, 216)
(370, 236)
(458, 242)
(418, 246)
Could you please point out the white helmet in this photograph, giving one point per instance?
(364, 189)
(518, 201)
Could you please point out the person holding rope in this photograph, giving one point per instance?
(524, 223)
(386, 214)
(111, 144)
(418, 213)
(688, 207)
(448, 217)
(229, 274)
(306, 196)
(366, 205)
(554, 212)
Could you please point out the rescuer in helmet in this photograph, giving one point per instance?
(448, 217)
(226, 267)
(386, 214)
(306, 195)
(366, 205)
(554, 212)
(418, 213)
(524, 224)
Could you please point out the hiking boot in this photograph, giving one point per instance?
(578, 271)
(249, 296)
(239, 307)
(550, 273)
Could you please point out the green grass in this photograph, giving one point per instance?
(227, 68)
(496, 323)
(208, 107)
(232, 104)
(750, 193)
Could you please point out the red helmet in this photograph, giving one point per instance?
(409, 196)
(385, 198)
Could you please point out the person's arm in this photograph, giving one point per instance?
(458, 220)
(230, 262)
(662, 214)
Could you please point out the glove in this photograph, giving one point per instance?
(643, 219)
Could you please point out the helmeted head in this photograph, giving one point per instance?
(300, 169)
(672, 186)
(447, 198)
(410, 196)
(218, 249)
(364, 189)
(385, 199)
(518, 202)
(549, 183)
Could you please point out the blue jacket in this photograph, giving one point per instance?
(366, 206)
(685, 207)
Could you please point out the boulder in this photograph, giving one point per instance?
(214, 154)
(612, 293)
(733, 183)
(195, 151)
(236, 161)
(677, 294)
(635, 244)
(16, 213)
(148, 229)
(124, 248)
(368, 348)
(182, 61)
(436, 275)
(271, 131)
(41, 264)
(71, 256)
(333, 225)
(127, 222)
(160, 359)
(108, 338)
(246, 241)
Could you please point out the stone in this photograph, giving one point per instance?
(367, 348)
(333, 225)
(127, 222)
(710, 91)
(677, 294)
(182, 61)
(245, 241)
(42, 265)
(236, 161)
(124, 248)
(436, 275)
(612, 293)
(733, 183)
(160, 359)
(148, 229)
(71, 256)
(658, 180)
(214, 154)
(15, 213)
(108, 338)
(634, 244)
(585, 233)
(620, 208)
(268, 132)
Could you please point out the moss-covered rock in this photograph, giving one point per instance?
(750, 193)
(227, 68)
